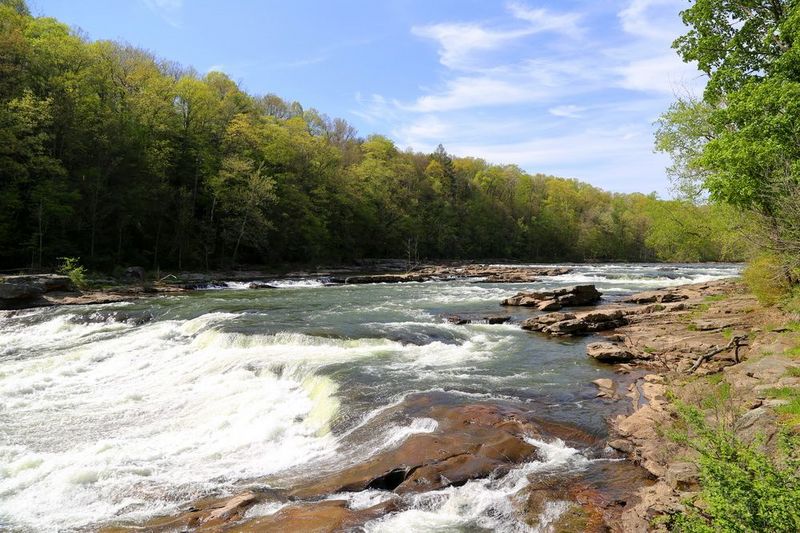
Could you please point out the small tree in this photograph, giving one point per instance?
(70, 266)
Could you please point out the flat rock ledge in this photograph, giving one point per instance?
(559, 324)
(20, 291)
(577, 296)
(609, 352)
(483, 273)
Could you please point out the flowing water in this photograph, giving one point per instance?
(128, 410)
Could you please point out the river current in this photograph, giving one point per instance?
(127, 411)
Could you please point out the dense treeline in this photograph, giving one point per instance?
(113, 155)
(738, 143)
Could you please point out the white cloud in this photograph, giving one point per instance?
(635, 20)
(468, 92)
(568, 111)
(459, 41)
(169, 10)
(579, 103)
(664, 73)
(542, 20)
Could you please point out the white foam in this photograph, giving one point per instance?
(130, 425)
(417, 426)
(297, 283)
(485, 503)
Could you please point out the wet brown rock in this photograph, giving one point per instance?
(470, 441)
(621, 445)
(537, 323)
(578, 295)
(324, 516)
(608, 352)
(606, 388)
(549, 305)
(558, 324)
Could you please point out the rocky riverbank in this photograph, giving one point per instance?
(687, 343)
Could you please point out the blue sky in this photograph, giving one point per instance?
(568, 87)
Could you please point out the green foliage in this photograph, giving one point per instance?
(742, 488)
(790, 411)
(793, 372)
(738, 145)
(70, 266)
(766, 278)
(119, 157)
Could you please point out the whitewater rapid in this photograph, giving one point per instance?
(126, 411)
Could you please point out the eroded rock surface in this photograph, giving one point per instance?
(577, 296)
(470, 441)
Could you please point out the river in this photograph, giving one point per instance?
(127, 411)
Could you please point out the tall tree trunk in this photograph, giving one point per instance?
(238, 240)
(94, 222)
(41, 234)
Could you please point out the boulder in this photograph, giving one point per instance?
(600, 316)
(565, 297)
(608, 352)
(683, 476)
(33, 285)
(19, 291)
(621, 445)
(566, 327)
(134, 274)
(605, 388)
(261, 285)
(549, 305)
(538, 323)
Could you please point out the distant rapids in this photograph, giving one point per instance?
(127, 411)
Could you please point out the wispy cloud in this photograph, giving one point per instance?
(568, 110)
(169, 10)
(458, 42)
(568, 94)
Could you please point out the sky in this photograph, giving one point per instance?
(570, 88)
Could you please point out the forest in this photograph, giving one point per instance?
(113, 155)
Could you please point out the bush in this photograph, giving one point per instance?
(766, 277)
(742, 488)
(70, 266)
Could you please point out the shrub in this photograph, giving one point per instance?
(742, 488)
(767, 279)
(70, 266)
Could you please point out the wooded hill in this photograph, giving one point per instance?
(113, 155)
